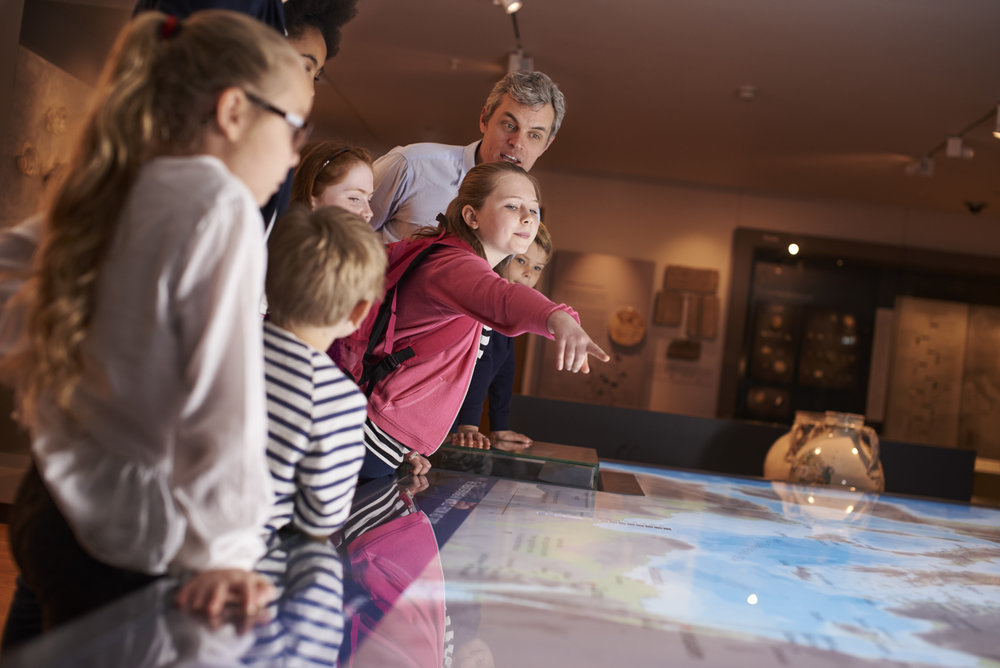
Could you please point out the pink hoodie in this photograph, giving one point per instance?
(441, 308)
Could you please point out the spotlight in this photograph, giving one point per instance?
(955, 149)
(509, 6)
(793, 249)
(518, 62)
(922, 167)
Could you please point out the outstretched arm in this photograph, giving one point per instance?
(573, 344)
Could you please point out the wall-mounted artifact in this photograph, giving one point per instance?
(683, 349)
(56, 120)
(669, 308)
(703, 317)
(690, 279)
(626, 327)
(27, 160)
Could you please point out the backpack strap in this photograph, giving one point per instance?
(373, 368)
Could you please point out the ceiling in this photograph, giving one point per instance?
(848, 92)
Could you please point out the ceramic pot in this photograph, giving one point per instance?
(777, 463)
(843, 452)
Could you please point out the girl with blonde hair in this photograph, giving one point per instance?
(141, 370)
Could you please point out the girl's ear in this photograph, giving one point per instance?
(231, 113)
(313, 202)
(469, 216)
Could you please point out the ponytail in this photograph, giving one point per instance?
(156, 96)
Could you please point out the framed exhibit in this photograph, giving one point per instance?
(613, 296)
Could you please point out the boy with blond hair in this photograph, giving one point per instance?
(325, 270)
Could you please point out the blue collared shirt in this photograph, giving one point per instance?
(414, 183)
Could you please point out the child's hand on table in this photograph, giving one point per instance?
(419, 464)
(510, 441)
(469, 436)
(219, 593)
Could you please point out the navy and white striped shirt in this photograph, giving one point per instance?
(305, 624)
(315, 439)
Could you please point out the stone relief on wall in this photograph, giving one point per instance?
(47, 110)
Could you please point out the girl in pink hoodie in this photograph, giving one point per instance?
(439, 311)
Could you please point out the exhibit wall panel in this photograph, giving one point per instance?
(676, 224)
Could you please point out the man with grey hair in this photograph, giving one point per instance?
(414, 183)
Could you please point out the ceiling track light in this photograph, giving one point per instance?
(953, 146)
(922, 167)
(509, 6)
(518, 62)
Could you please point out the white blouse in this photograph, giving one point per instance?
(160, 464)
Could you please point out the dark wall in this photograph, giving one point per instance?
(74, 37)
(722, 446)
(10, 30)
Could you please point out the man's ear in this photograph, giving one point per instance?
(231, 113)
(482, 120)
(469, 216)
(359, 312)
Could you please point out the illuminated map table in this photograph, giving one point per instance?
(703, 571)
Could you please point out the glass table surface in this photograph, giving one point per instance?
(565, 465)
(469, 570)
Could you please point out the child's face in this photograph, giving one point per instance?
(507, 221)
(353, 192)
(266, 149)
(526, 268)
(312, 47)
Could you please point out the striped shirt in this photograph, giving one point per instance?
(381, 508)
(315, 442)
(484, 340)
(305, 622)
(384, 446)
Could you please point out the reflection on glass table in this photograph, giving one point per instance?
(302, 626)
(712, 570)
(395, 613)
(461, 569)
(566, 465)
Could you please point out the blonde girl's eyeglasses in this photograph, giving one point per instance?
(301, 129)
